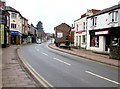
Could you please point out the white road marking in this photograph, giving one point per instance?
(44, 53)
(62, 61)
(102, 77)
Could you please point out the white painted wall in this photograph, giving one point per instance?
(78, 35)
(103, 21)
(119, 15)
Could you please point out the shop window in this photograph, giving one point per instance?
(115, 41)
(94, 41)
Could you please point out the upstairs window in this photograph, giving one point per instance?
(14, 15)
(13, 25)
(83, 25)
(94, 21)
(113, 16)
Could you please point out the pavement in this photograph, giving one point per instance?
(13, 73)
(89, 55)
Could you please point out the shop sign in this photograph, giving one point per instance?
(14, 33)
(102, 32)
(2, 34)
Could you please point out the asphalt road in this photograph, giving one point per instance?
(64, 70)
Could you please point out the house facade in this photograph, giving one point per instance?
(24, 30)
(15, 25)
(103, 31)
(80, 26)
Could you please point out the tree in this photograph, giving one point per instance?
(39, 26)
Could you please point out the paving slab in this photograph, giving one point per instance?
(13, 74)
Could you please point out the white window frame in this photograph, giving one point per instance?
(94, 21)
(14, 15)
(113, 16)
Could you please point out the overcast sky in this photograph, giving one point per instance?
(55, 12)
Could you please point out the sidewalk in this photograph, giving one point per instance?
(89, 55)
(13, 74)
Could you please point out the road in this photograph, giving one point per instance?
(60, 69)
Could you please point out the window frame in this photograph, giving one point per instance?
(13, 26)
(13, 15)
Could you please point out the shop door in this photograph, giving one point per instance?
(107, 42)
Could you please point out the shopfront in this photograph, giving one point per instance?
(15, 37)
(100, 40)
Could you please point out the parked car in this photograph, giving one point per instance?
(39, 41)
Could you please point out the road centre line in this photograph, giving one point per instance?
(102, 77)
(112, 66)
(62, 61)
(44, 53)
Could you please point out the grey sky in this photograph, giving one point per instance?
(55, 12)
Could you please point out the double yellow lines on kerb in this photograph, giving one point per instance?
(44, 82)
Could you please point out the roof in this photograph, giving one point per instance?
(106, 10)
(9, 8)
(94, 11)
(62, 25)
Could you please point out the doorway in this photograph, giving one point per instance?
(107, 42)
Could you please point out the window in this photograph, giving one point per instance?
(77, 27)
(13, 25)
(113, 16)
(83, 25)
(94, 41)
(83, 38)
(14, 15)
(115, 41)
(94, 21)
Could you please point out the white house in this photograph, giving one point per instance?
(80, 29)
(103, 29)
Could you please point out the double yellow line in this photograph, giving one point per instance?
(44, 82)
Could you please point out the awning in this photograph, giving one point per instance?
(80, 32)
(14, 33)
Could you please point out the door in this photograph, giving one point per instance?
(107, 42)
